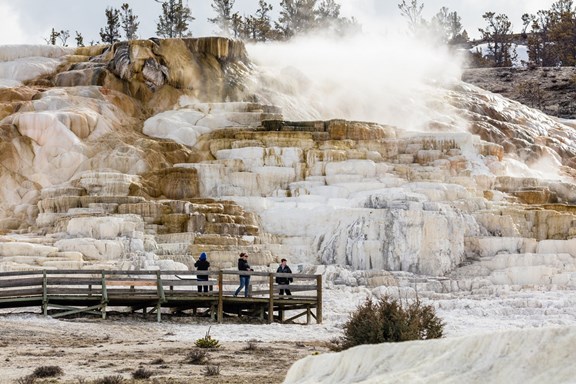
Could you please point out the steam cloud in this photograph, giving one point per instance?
(380, 77)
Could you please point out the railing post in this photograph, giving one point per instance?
(44, 293)
(104, 299)
(271, 298)
(220, 297)
(161, 297)
(318, 299)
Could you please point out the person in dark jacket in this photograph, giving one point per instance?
(244, 279)
(202, 265)
(283, 268)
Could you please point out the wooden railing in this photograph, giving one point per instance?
(92, 291)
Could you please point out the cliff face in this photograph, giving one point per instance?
(146, 153)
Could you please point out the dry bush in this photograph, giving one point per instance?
(212, 370)
(30, 379)
(48, 371)
(389, 321)
(251, 346)
(197, 357)
(110, 380)
(141, 374)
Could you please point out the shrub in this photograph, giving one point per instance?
(212, 370)
(251, 346)
(110, 380)
(141, 373)
(207, 341)
(47, 371)
(197, 357)
(389, 321)
(30, 379)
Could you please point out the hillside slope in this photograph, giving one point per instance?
(551, 90)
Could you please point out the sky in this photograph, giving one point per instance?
(30, 21)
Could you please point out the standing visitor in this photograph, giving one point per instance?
(283, 268)
(202, 265)
(244, 279)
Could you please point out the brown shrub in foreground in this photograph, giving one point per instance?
(388, 320)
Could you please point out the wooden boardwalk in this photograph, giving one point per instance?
(69, 292)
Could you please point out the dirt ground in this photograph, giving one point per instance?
(96, 351)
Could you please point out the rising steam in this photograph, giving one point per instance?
(378, 77)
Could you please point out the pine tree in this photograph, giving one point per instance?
(223, 19)
(111, 33)
(540, 49)
(498, 35)
(296, 17)
(129, 23)
(174, 19)
(79, 39)
(448, 26)
(563, 32)
(51, 40)
(237, 25)
(262, 22)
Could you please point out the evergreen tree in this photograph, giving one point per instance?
(296, 16)
(111, 33)
(129, 23)
(328, 10)
(79, 39)
(223, 19)
(448, 26)
(262, 22)
(563, 32)
(51, 40)
(174, 19)
(540, 49)
(328, 17)
(498, 35)
(237, 25)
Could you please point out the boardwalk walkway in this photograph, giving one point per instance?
(70, 292)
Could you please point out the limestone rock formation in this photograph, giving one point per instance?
(145, 153)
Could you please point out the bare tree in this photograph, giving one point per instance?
(63, 36)
(413, 12)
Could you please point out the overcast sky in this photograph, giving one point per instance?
(30, 21)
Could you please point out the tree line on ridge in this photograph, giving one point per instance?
(549, 35)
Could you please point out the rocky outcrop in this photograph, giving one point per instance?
(157, 72)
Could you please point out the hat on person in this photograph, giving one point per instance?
(203, 256)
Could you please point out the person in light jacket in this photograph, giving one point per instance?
(283, 268)
(244, 279)
(202, 265)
